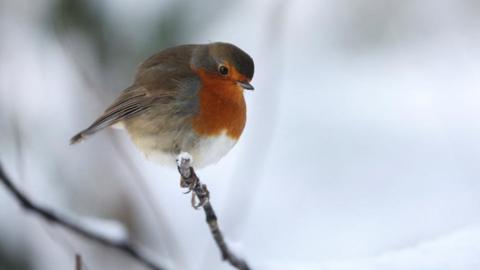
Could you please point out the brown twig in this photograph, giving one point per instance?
(190, 179)
(78, 262)
(124, 246)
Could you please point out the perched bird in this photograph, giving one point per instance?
(187, 98)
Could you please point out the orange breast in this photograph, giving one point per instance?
(222, 107)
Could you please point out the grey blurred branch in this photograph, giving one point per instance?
(78, 262)
(52, 217)
(190, 179)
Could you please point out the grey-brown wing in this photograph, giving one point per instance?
(132, 101)
(164, 79)
(175, 96)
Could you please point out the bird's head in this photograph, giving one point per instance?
(227, 61)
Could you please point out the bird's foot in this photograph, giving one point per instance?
(203, 195)
(197, 189)
(190, 181)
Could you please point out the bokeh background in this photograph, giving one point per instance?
(361, 149)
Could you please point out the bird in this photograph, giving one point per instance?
(184, 99)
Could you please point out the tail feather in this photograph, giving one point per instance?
(92, 129)
(82, 135)
(79, 137)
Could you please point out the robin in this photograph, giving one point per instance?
(187, 98)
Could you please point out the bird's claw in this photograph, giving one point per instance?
(201, 203)
(203, 195)
(198, 190)
(189, 183)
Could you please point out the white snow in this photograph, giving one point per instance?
(458, 250)
(183, 156)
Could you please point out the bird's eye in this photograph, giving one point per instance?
(223, 70)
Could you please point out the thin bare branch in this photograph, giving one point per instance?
(190, 179)
(52, 217)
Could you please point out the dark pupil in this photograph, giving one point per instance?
(223, 70)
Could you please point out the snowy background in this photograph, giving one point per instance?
(361, 149)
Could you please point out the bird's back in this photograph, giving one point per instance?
(172, 60)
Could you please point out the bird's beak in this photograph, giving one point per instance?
(245, 85)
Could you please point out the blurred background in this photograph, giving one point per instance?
(361, 149)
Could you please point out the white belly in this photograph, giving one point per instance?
(205, 152)
(211, 150)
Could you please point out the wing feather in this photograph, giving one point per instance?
(131, 102)
(164, 80)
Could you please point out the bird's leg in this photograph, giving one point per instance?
(198, 190)
(190, 180)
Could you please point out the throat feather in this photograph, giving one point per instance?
(222, 107)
